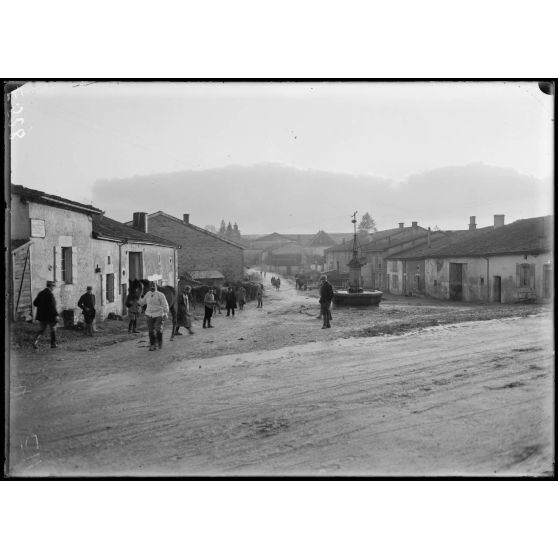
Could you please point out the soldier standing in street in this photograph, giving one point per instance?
(157, 310)
(209, 303)
(326, 297)
(87, 305)
(47, 314)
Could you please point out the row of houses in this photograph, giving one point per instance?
(499, 263)
(76, 245)
(291, 254)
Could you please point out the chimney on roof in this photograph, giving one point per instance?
(414, 224)
(499, 221)
(140, 221)
(472, 224)
(186, 218)
(401, 225)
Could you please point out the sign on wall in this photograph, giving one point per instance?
(37, 228)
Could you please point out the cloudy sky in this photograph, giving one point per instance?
(84, 141)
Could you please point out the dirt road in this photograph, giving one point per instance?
(268, 392)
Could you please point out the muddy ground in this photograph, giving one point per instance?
(269, 392)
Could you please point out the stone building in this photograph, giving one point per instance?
(121, 253)
(51, 240)
(200, 250)
(503, 263)
(374, 252)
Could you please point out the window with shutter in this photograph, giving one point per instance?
(66, 265)
(110, 287)
(525, 275)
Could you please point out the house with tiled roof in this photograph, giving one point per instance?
(50, 241)
(199, 249)
(503, 263)
(296, 256)
(405, 267)
(76, 245)
(122, 253)
(373, 252)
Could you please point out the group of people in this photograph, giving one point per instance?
(157, 309)
(47, 313)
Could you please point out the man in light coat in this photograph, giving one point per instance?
(156, 311)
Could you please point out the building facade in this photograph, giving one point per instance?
(199, 249)
(55, 244)
(121, 253)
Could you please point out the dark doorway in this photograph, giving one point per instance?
(497, 296)
(456, 281)
(135, 266)
(124, 296)
(547, 281)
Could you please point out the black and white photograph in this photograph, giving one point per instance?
(276, 278)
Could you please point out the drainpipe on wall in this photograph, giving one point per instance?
(487, 278)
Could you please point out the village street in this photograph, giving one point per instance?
(269, 392)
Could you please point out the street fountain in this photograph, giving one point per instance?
(355, 295)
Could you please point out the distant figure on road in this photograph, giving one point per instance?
(259, 296)
(230, 300)
(47, 314)
(156, 311)
(87, 305)
(326, 296)
(277, 283)
(218, 295)
(209, 304)
(184, 317)
(241, 298)
(134, 308)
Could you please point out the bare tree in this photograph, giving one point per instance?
(367, 224)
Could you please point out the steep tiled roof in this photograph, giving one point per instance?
(109, 228)
(321, 238)
(273, 237)
(50, 199)
(190, 226)
(439, 240)
(379, 245)
(524, 236)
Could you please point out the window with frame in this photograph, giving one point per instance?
(66, 265)
(110, 287)
(393, 265)
(526, 276)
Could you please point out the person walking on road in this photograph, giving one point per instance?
(47, 314)
(134, 308)
(241, 298)
(156, 311)
(230, 299)
(184, 317)
(259, 296)
(208, 303)
(87, 305)
(326, 297)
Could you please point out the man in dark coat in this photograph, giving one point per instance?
(87, 305)
(326, 297)
(230, 299)
(47, 314)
